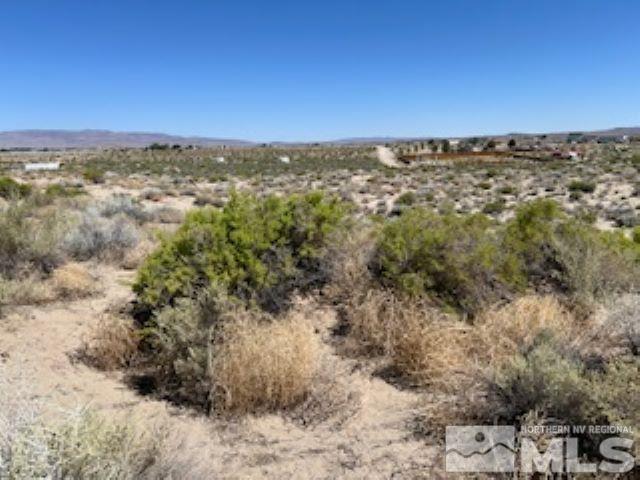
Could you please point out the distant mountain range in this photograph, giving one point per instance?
(102, 139)
(59, 139)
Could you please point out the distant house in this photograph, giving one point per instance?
(44, 166)
(285, 159)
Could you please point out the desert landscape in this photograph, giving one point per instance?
(337, 240)
(310, 311)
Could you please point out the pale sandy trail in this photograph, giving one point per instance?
(370, 439)
(387, 157)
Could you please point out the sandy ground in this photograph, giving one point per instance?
(369, 437)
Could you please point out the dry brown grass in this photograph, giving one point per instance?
(350, 254)
(433, 349)
(429, 347)
(506, 330)
(260, 366)
(111, 344)
(435, 353)
(72, 281)
(31, 290)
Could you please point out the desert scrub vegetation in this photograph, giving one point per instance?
(262, 365)
(469, 262)
(112, 343)
(455, 258)
(10, 189)
(207, 339)
(238, 162)
(258, 250)
(582, 186)
(29, 240)
(97, 234)
(216, 355)
(76, 443)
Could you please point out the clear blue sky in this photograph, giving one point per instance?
(302, 70)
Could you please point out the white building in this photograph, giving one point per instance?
(45, 166)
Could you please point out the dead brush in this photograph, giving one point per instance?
(111, 343)
(73, 281)
(424, 344)
(434, 351)
(350, 254)
(263, 365)
(503, 331)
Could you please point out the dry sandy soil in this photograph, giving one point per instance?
(368, 435)
(387, 157)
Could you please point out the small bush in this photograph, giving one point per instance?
(64, 191)
(495, 207)
(84, 445)
(569, 256)
(618, 393)
(257, 250)
(95, 236)
(180, 346)
(123, 205)
(214, 354)
(582, 186)
(263, 366)
(26, 290)
(93, 175)
(349, 254)
(592, 264)
(407, 199)
(456, 258)
(505, 331)
(111, 344)
(622, 317)
(508, 190)
(28, 240)
(10, 189)
(77, 444)
(73, 281)
(542, 379)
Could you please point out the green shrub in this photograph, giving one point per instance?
(214, 354)
(618, 393)
(10, 189)
(583, 186)
(494, 207)
(508, 190)
(180, 341)
(550, 381)
(59, 190)
(593, 264)
(543, 379)
(570, 255)
(407, 198)
(467, 261)
(456, 258)
(257, 250)
(28, 240)
(93, 175)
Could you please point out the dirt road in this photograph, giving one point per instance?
(387, 157)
